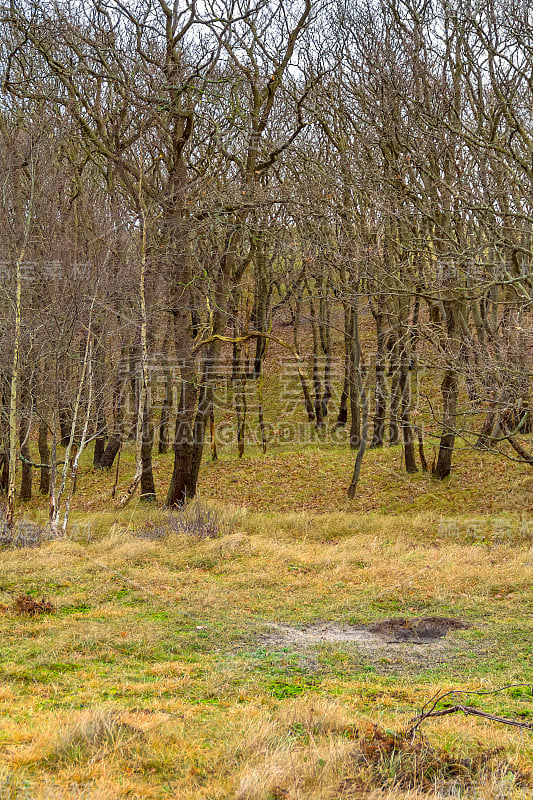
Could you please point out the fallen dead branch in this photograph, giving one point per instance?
(431, 710)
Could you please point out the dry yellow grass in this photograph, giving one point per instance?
(156, 677)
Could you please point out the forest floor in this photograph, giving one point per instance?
(276, 649)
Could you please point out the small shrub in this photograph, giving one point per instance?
(395, 761)
(153, 533)
(23, 534)
(195, 519)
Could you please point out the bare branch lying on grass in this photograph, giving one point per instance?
(432, 711)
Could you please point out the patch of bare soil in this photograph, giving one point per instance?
(394, 643)
(425, 629)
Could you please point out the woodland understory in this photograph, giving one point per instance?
(185, 188)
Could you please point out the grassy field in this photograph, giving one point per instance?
(247, 663)
(172, 665)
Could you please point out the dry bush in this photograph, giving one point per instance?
(393, 760)
(25, 605)
(23, 534)
(196, 520)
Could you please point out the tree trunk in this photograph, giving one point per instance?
(212, 430)
(100, 440)
(24, 438)
(395, 400)
(44, 458)
(485, 434)
(99, 394)
(325, 341)
(317, 388)
(166, 408)
(450, 392)
(65, 421)
(317, 383)
(4, 429)
(407, 429)
(420, 436)
(115, 440)
(203, 414)
(380, 412)
(342, 416)
(180, 482)
(356, 381)
(260, 311)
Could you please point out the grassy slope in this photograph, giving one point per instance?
(153, 679)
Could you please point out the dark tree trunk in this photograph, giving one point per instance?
(212, 430)
(182, 485)
(395, 398)
(450, 392)
(24, 438)
(358, 381)
(356, 378)
(260, 309)
(100, 395)
(380, 412)
(44, 458)
(65, 422)
(407, 429)
(325, 341)
(101, 434)
(420, 436)
(485, 434)
(317, 389)
(166, 408)
(342, 416)
(115, 440)
(190, 430)
(4, 430)
(4, 472)
(317, 382)
(205, 407)
(362, 441)
(111, 450)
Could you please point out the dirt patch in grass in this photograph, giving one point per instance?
(393, 644)
(424, 629)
